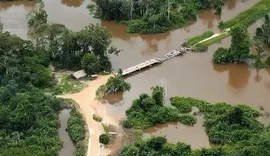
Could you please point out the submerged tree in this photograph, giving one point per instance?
(240, 43)
(117, 84)
(37, 15)
(239, 50)
(158, 94)
(263, 32)
(1, 26)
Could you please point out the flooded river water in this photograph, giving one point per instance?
(192, 75)
(68, 147)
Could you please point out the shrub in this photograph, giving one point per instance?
(75, 127)
(187, 119)
(259, 64)
(127, 124)
(97, 118)
(181, 105)
(221, 56)
(104, 139)
(117, 84)
(267, 61)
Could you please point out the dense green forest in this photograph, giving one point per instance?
(28, 114)
(29, 118)
(235, 127)
(149, 17)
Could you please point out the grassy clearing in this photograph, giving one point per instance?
(249, 16)
(68, 85)
(213, 40)
(199, 38)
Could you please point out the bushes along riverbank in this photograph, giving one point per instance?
(76, 128)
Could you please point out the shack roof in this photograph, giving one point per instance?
(79, 74)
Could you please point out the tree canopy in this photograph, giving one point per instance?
(71, 50)
(28, 117)
(234, 128)
(239, 49)
(153, 16)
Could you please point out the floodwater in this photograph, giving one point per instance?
(68, 147)
(13, 16)
(192, 135)
(192, 75)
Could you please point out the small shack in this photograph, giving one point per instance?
(79, 74)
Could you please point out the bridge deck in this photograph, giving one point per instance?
(153, 61)
(141, 66)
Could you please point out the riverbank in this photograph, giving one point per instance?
(90, 106)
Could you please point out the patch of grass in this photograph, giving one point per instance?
(97, 118)
(68, 85)
(249, 16)
(199, 38)
(213, 40)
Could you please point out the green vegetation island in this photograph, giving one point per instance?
(234, 129)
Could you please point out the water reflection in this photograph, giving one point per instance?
(13, 16)
(231, 4)
(7, 5)
(68, 146)
(257, 77)
(72, 3)
(114, 99)
(208, 17)
(238, 74)
(118, 33)
(176, 132)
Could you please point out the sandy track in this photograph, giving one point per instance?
(89, 106)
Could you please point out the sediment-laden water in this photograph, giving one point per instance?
(68, 147)
(192, 75)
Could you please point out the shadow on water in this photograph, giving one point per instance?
(238, 74)
(68, 147)
(115, 99)
(72, 3)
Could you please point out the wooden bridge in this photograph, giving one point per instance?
(141, 66)
(149, 63)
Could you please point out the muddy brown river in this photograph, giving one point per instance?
(192, 75)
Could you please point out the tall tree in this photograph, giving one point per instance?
(158, 94)
(240, 43)
(1, 26)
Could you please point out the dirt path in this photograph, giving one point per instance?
(90, 106)
(213, 36)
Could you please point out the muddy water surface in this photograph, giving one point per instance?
(192, 75)
(13, 16)
(68, 147)
(192, 135)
